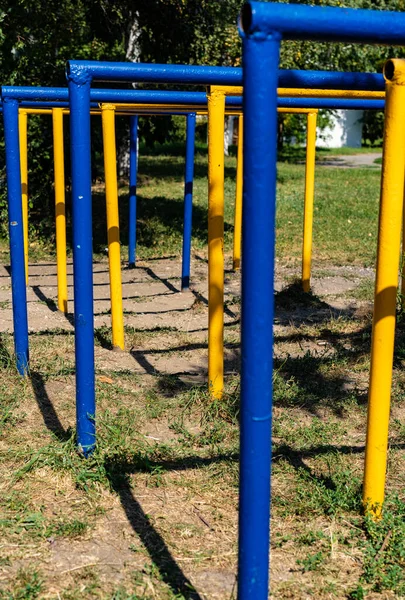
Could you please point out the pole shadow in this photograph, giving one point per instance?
(169, 570)
(51, 304)
(49, 414)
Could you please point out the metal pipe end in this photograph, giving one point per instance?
(394, 71)
(245, 19)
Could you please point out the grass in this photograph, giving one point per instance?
(346, 208)
(153, 513)
(165, 471)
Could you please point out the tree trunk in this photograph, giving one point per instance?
(133, 53)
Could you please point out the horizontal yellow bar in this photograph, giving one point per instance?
(162, 109)
(200, 109)
(229, 90)
(306, 93)
(298, 111)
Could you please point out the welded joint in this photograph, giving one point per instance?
(215, 94)
(6, 99)
(77, 73)
(107, 106)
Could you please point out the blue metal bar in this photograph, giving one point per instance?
(79, 97)
(48, 104)
(29, 93)
(133, 168)
(323, 23)
(104, 95)
(331, 103)
(149, 96)
(15, 222)
(236, 102)
(46, 97)
(188, 202)
(264, 25)
(203, 75)
(153, 73)
(259, 203)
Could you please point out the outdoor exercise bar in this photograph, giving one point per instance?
(133, 176)
(84, 72)
(115, 276)
(263, 26)
(216, 113)
(83, 308)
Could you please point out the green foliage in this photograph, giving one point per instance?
(37, 38)
(293, 127)
(337, 491)
(27, 586)
(312, 562)
(357, 594)
(384, 562)
(190, 31)
(341, 56)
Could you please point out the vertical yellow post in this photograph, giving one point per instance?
(113, 230)
(22, 130)
(403, 260)
(309, 201)
(60, 207)
(237, 227)
(388, 252)
(216, 132)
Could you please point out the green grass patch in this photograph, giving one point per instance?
(345, 216)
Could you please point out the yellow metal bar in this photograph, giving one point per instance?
(309, 201)
(305, 93)
(114, 254)
(308, 93)
(297, 111)
(60, 207)
(22, 130)
(216, 132)
(124, 110)
(237, 227)
(228, 90)
(388, 252)
(403, 261)
(36, 111)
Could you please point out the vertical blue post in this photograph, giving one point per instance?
(133, 168)
(188, 202)
(15, 223)
(79, 98)
(260, 55)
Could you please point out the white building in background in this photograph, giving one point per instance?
(346, 130)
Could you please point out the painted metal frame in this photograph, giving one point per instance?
(263, 26)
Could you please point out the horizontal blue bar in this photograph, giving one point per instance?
(23, 93)
(195, 98)
(202, 75)
(323, 23)
(48, 104)
(82, 70)
(325, 103)
(46, 99)
(331, 103)
(34, 93)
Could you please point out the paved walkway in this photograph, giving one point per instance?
(352, 161)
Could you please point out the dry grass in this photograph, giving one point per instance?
(153, 514)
